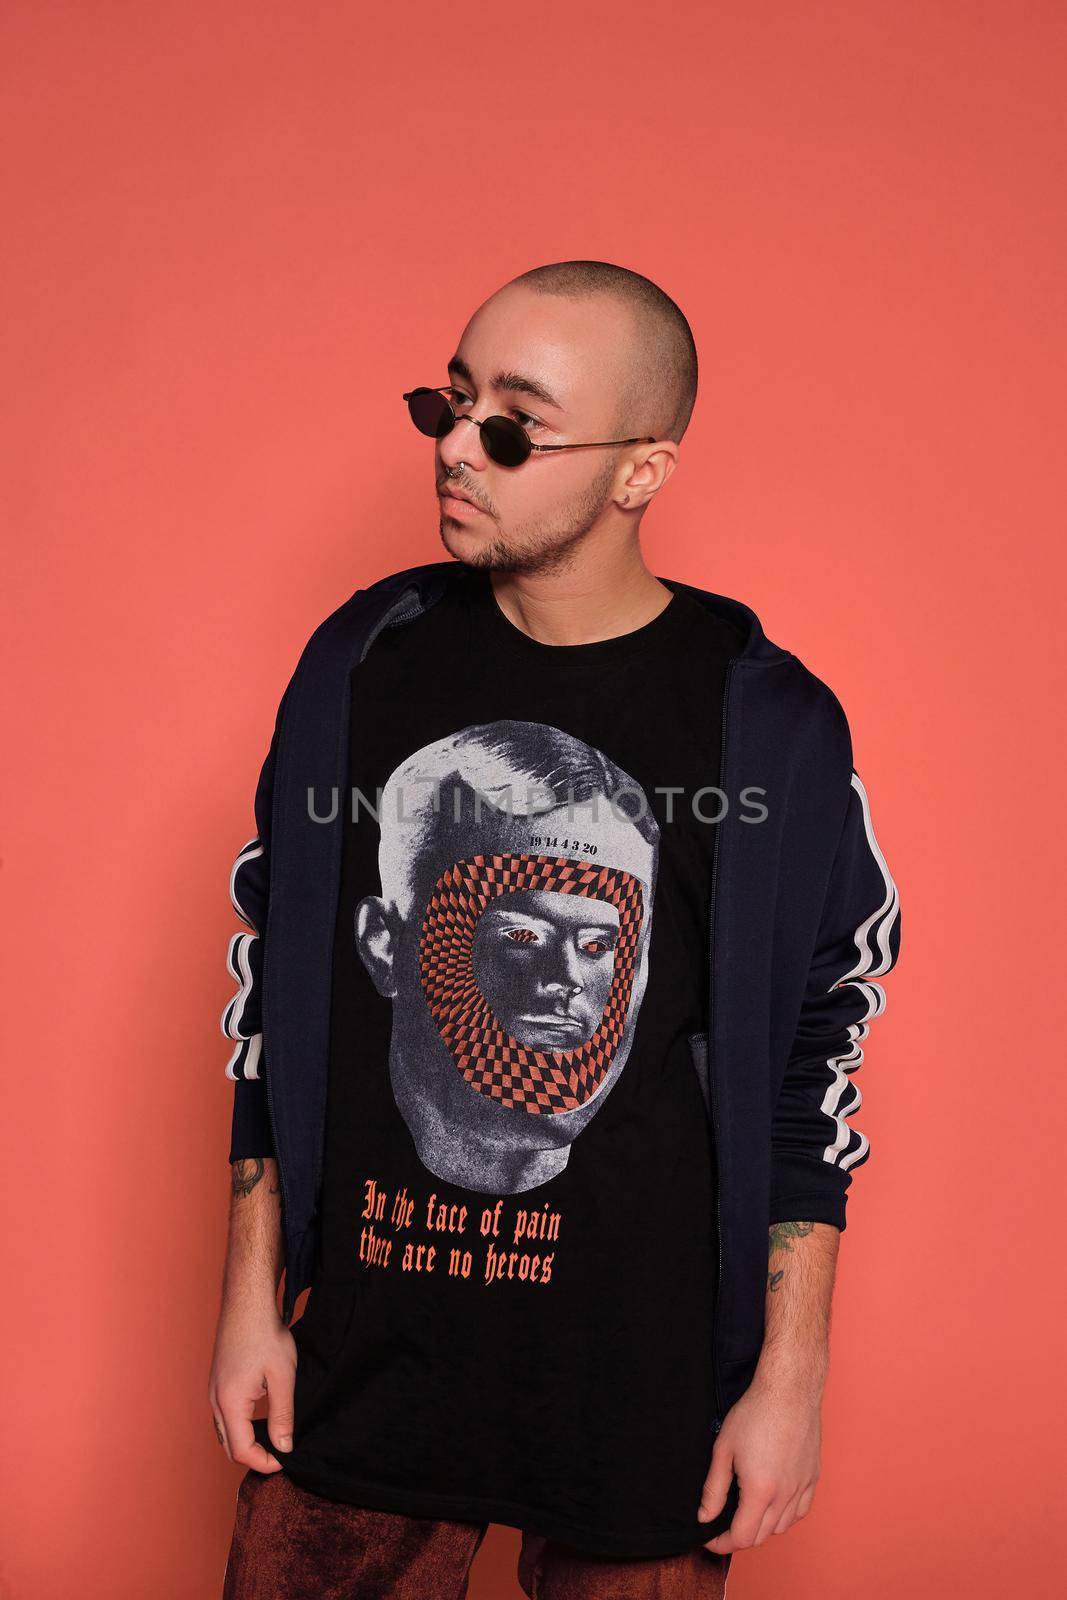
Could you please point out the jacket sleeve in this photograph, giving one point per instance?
(242, 1020)
(814, 1147)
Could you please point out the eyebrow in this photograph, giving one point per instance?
(508, 383)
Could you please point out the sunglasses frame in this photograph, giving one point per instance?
(599, 444)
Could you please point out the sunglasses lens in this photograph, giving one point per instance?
(505, 441)
(430, 412)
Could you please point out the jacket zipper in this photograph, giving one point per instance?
(287, 1242)
(719, 1409)
(404, 616)
(286, 1213)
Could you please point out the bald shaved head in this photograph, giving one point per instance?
(593, 362)
(659, 385)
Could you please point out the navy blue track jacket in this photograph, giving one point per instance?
(805, 917)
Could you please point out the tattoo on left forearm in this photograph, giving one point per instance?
(780, 1235)
(245, 1176)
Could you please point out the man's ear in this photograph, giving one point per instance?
(378, 928)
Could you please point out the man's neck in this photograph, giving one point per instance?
(582, 603)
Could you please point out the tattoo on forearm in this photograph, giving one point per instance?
(246, 1174)
(780, 1235)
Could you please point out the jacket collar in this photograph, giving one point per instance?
(414, 590)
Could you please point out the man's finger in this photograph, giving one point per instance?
(245, 1448)
(746, 1520)
(280, 1387)
(220, 1433)
(717, 1483)
(768, 1522)
(789, 1515)
(805, 1502)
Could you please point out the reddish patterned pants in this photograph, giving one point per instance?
(292, 1545)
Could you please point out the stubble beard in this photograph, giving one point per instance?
(544, 549)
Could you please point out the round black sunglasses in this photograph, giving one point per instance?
(506, 442)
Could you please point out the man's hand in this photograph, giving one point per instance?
(255, 1354)
(771, 1438)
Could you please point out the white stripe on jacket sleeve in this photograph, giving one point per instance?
(240, 956)
(247, 853)
(875, 957)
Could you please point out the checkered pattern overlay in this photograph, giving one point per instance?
(491, 1059)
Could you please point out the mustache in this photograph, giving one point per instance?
(454, 486)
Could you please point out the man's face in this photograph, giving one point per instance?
(530, 517)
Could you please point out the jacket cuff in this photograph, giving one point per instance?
(250, 1133)
(806, 1189)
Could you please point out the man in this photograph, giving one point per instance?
(565, 913)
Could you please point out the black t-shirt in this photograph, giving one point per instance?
(511, 1314)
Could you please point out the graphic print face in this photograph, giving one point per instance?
(512, 936)
(527, 963)
(544, 962)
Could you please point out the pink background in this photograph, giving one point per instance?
(234, 234)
